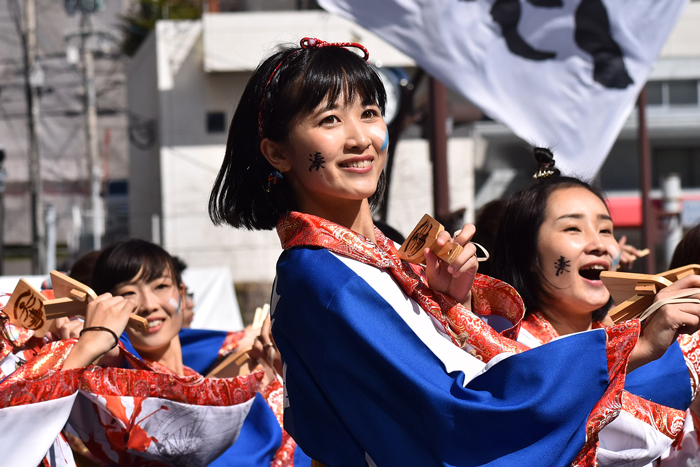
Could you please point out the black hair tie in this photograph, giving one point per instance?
(102, 328)
(545, 160)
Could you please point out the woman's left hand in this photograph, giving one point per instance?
(454, 279)
(628, 255)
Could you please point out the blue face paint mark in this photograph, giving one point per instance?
(386, 140)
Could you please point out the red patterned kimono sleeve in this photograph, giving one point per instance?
(690, 346)
(621, 340)
(40, 379)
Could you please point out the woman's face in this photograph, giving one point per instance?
(335, 154)
(159, 301)
(575, 244)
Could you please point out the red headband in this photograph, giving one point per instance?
(306, 43)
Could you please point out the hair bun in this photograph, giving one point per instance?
(545, 161)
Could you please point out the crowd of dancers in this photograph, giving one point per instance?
(366, 359)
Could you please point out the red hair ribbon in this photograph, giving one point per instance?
(313, 43)
(306, 43)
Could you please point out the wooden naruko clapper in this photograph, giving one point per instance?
(30, 309)
(424, 235)
(634, 293)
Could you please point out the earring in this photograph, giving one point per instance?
(272, 179)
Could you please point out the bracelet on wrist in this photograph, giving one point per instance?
(102, 328)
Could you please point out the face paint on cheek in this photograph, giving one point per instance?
(616, 256)
(381, 134)
(176, 305)
(317, 161)
(562, 265)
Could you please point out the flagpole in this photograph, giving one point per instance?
(648, 218)
(438, 152)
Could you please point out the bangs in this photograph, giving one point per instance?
(339, 76)
(329, 74)
(123, 262)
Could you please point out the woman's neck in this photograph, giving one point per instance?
(567, 323)
(169, 356)
(355, 215)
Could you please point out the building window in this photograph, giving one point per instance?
(683, 92)
(683, 161)
(672, 92)
(216, 122)
(655, 93)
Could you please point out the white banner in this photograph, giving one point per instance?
(559, 73)
(215, 302)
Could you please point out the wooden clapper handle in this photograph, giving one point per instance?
(30, 309)
(240, 362)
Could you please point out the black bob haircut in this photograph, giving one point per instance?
(306, 77)
(122, 262)
(515, 254)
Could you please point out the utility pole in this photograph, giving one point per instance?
(32, 79)
(649, 218)
(3, 177)
(438, 152)
(94, 164)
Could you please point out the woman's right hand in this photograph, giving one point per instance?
(264, 347)
(663, 327)
(108, 312)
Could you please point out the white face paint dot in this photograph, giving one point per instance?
(379, 132)
(174, 303)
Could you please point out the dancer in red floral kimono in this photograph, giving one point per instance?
(147, 411)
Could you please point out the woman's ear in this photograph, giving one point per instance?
(274, 154)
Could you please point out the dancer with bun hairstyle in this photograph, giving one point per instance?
(554, 240)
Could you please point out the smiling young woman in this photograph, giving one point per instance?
(333, 159)
(575, 244)
(143, 278)
(146, 275)
(554, 240)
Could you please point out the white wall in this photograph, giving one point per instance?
(144, 164)
(412, 184)
(240, 41)
(188, 175)
(684, 40)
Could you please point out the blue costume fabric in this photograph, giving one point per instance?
(363, 386)
(664, 381)
(200, 348)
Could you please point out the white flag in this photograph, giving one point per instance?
(559, 73)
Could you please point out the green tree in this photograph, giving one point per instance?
(142, 17)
